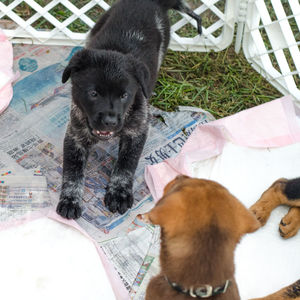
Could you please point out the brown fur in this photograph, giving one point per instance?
(201, 223)
(274, 196)
(270, 199)
(287, 293)
(290, 223)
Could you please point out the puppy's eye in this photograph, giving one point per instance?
(93, 94)
(124, 97)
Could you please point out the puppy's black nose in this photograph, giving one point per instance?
(110, 120)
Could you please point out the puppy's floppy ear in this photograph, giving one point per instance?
(167, 212)
(66, 74)
(155, 216)
(141, 74)
(78, 61)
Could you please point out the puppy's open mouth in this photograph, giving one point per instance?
(103, 134)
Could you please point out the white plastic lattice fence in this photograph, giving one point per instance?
(268, 30)
(271, 42)
(62, 14)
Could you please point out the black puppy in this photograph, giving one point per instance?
(112, 80)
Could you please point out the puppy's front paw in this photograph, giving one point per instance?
(290, 223)
(68, 209)
(118, 200)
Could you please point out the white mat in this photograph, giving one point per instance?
(46, 260)
(265, 262)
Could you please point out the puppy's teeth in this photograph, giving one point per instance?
(98, 132)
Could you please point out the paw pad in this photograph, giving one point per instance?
(68, 209)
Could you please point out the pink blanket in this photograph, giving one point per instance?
(273, 124)
(6, 73)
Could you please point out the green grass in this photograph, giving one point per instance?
(221, 82)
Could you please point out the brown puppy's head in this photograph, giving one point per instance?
(191, 205)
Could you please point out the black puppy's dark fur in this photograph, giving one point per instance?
(112, 80)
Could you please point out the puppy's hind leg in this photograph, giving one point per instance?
(291, 292)
(292, 191)
(282, 191)
(270, 199)
(182, 6)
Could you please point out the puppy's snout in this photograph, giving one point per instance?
(110, 120)
(144, 218)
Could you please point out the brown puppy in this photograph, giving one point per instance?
(286, 192)
(282, 191)
(201, 223)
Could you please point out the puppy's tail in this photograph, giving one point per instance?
(182, 6)
(171, 4)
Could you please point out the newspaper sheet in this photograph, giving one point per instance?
(21, 196)
(127, 253)
(33, 129)
(149, 268)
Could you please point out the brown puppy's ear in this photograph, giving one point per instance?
(168, 214)
(247, 221)
(156, 215)
(78, 61)
(141, 74)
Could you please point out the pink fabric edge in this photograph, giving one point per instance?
(31, 216)
(6, 92)
(290, 109)
(157, 176)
